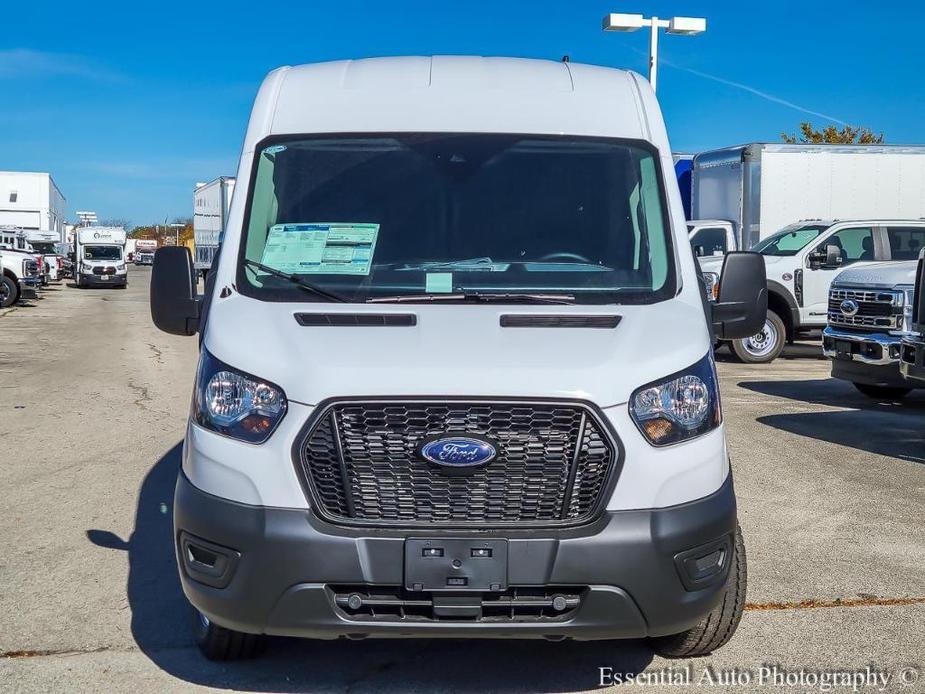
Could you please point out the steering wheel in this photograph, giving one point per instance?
(564, 256)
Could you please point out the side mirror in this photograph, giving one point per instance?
(174, 304)
(742, 306)
(832, 256)
(699, 251)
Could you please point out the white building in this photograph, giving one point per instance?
(31, 201)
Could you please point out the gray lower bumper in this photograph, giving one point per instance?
(282, 567)
(913, 360)
(104, 280)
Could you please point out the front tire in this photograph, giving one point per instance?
(219, 643)
(9, 291)
(716, 628)
(883, 392)
(763, 347)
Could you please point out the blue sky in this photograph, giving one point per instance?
(129, 104)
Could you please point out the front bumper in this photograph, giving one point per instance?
(104, 280)
(875, 349)
(28, 287)
(868, 358)
(277, 570)
(912, 364)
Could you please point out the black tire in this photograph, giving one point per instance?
(764, 347)
(9, 291)
(219, 643)
(883, 392)
(717, 627)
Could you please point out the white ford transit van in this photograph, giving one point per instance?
(456, 376)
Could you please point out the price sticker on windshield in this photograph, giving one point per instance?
(333, 248)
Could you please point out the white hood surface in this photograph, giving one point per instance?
(884, 274)
(456, 350)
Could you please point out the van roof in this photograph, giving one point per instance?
(450, 94)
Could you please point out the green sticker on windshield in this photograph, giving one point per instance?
(438, 282)
(333, 248)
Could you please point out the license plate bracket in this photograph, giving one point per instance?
(454, 565)
(843, 349)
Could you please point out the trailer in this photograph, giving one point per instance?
(764, 187)
(211, 202)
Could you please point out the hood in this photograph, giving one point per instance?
(456, 350)
(882, 274)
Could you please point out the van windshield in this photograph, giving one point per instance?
(789, 240)
(102, 253)
(414, 215)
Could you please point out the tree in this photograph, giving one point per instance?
(117, 222)
(830, 135)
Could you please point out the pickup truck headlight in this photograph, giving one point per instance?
(711, 281)
(234, 403)
(908, 303)
(680, 407)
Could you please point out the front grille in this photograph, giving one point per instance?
(104, 270)
(395, 604)
(877, 310)
(361, 462)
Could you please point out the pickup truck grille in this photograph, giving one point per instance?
(876, 309)
(360, 463)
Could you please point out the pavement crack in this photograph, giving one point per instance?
(158, 354)
(866, 601)
(143, 396)
(41, 653)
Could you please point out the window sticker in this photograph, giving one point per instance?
(333, 248)
(439, 282)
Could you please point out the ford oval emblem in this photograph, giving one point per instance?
(849, 307)
(458, 451)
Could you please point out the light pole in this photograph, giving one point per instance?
(686, 26)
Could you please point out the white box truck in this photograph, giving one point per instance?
(211, 203)
(765, 187)
(100, 257)
(476, 396)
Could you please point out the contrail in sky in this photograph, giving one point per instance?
(752, 90)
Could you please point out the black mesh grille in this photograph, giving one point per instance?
(363, 464)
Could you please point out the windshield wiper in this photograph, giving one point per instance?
(297, 281)
(476, 297)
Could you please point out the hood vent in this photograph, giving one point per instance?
(357, 320)
(535, 320)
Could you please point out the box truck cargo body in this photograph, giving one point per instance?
(765, 187)
(211, 202)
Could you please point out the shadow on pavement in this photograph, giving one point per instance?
(890, 428)
(161, 627)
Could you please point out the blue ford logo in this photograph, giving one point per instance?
(458, 451)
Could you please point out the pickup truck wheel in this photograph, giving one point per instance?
(883, 392)
(9, 291)
(219, 643)
(718, 626)
(763, 347)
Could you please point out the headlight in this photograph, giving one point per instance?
(680, 407)
(234, 403)
(86, 267)
(711, 280)
(908, 303)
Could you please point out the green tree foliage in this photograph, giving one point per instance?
(830, 135)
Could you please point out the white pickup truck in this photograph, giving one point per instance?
(802, 260)
(870, 308)
(20, 275)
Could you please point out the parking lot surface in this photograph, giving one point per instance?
(93, 404)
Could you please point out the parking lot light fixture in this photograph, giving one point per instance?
(684, 26)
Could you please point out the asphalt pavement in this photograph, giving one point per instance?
(93, 404)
